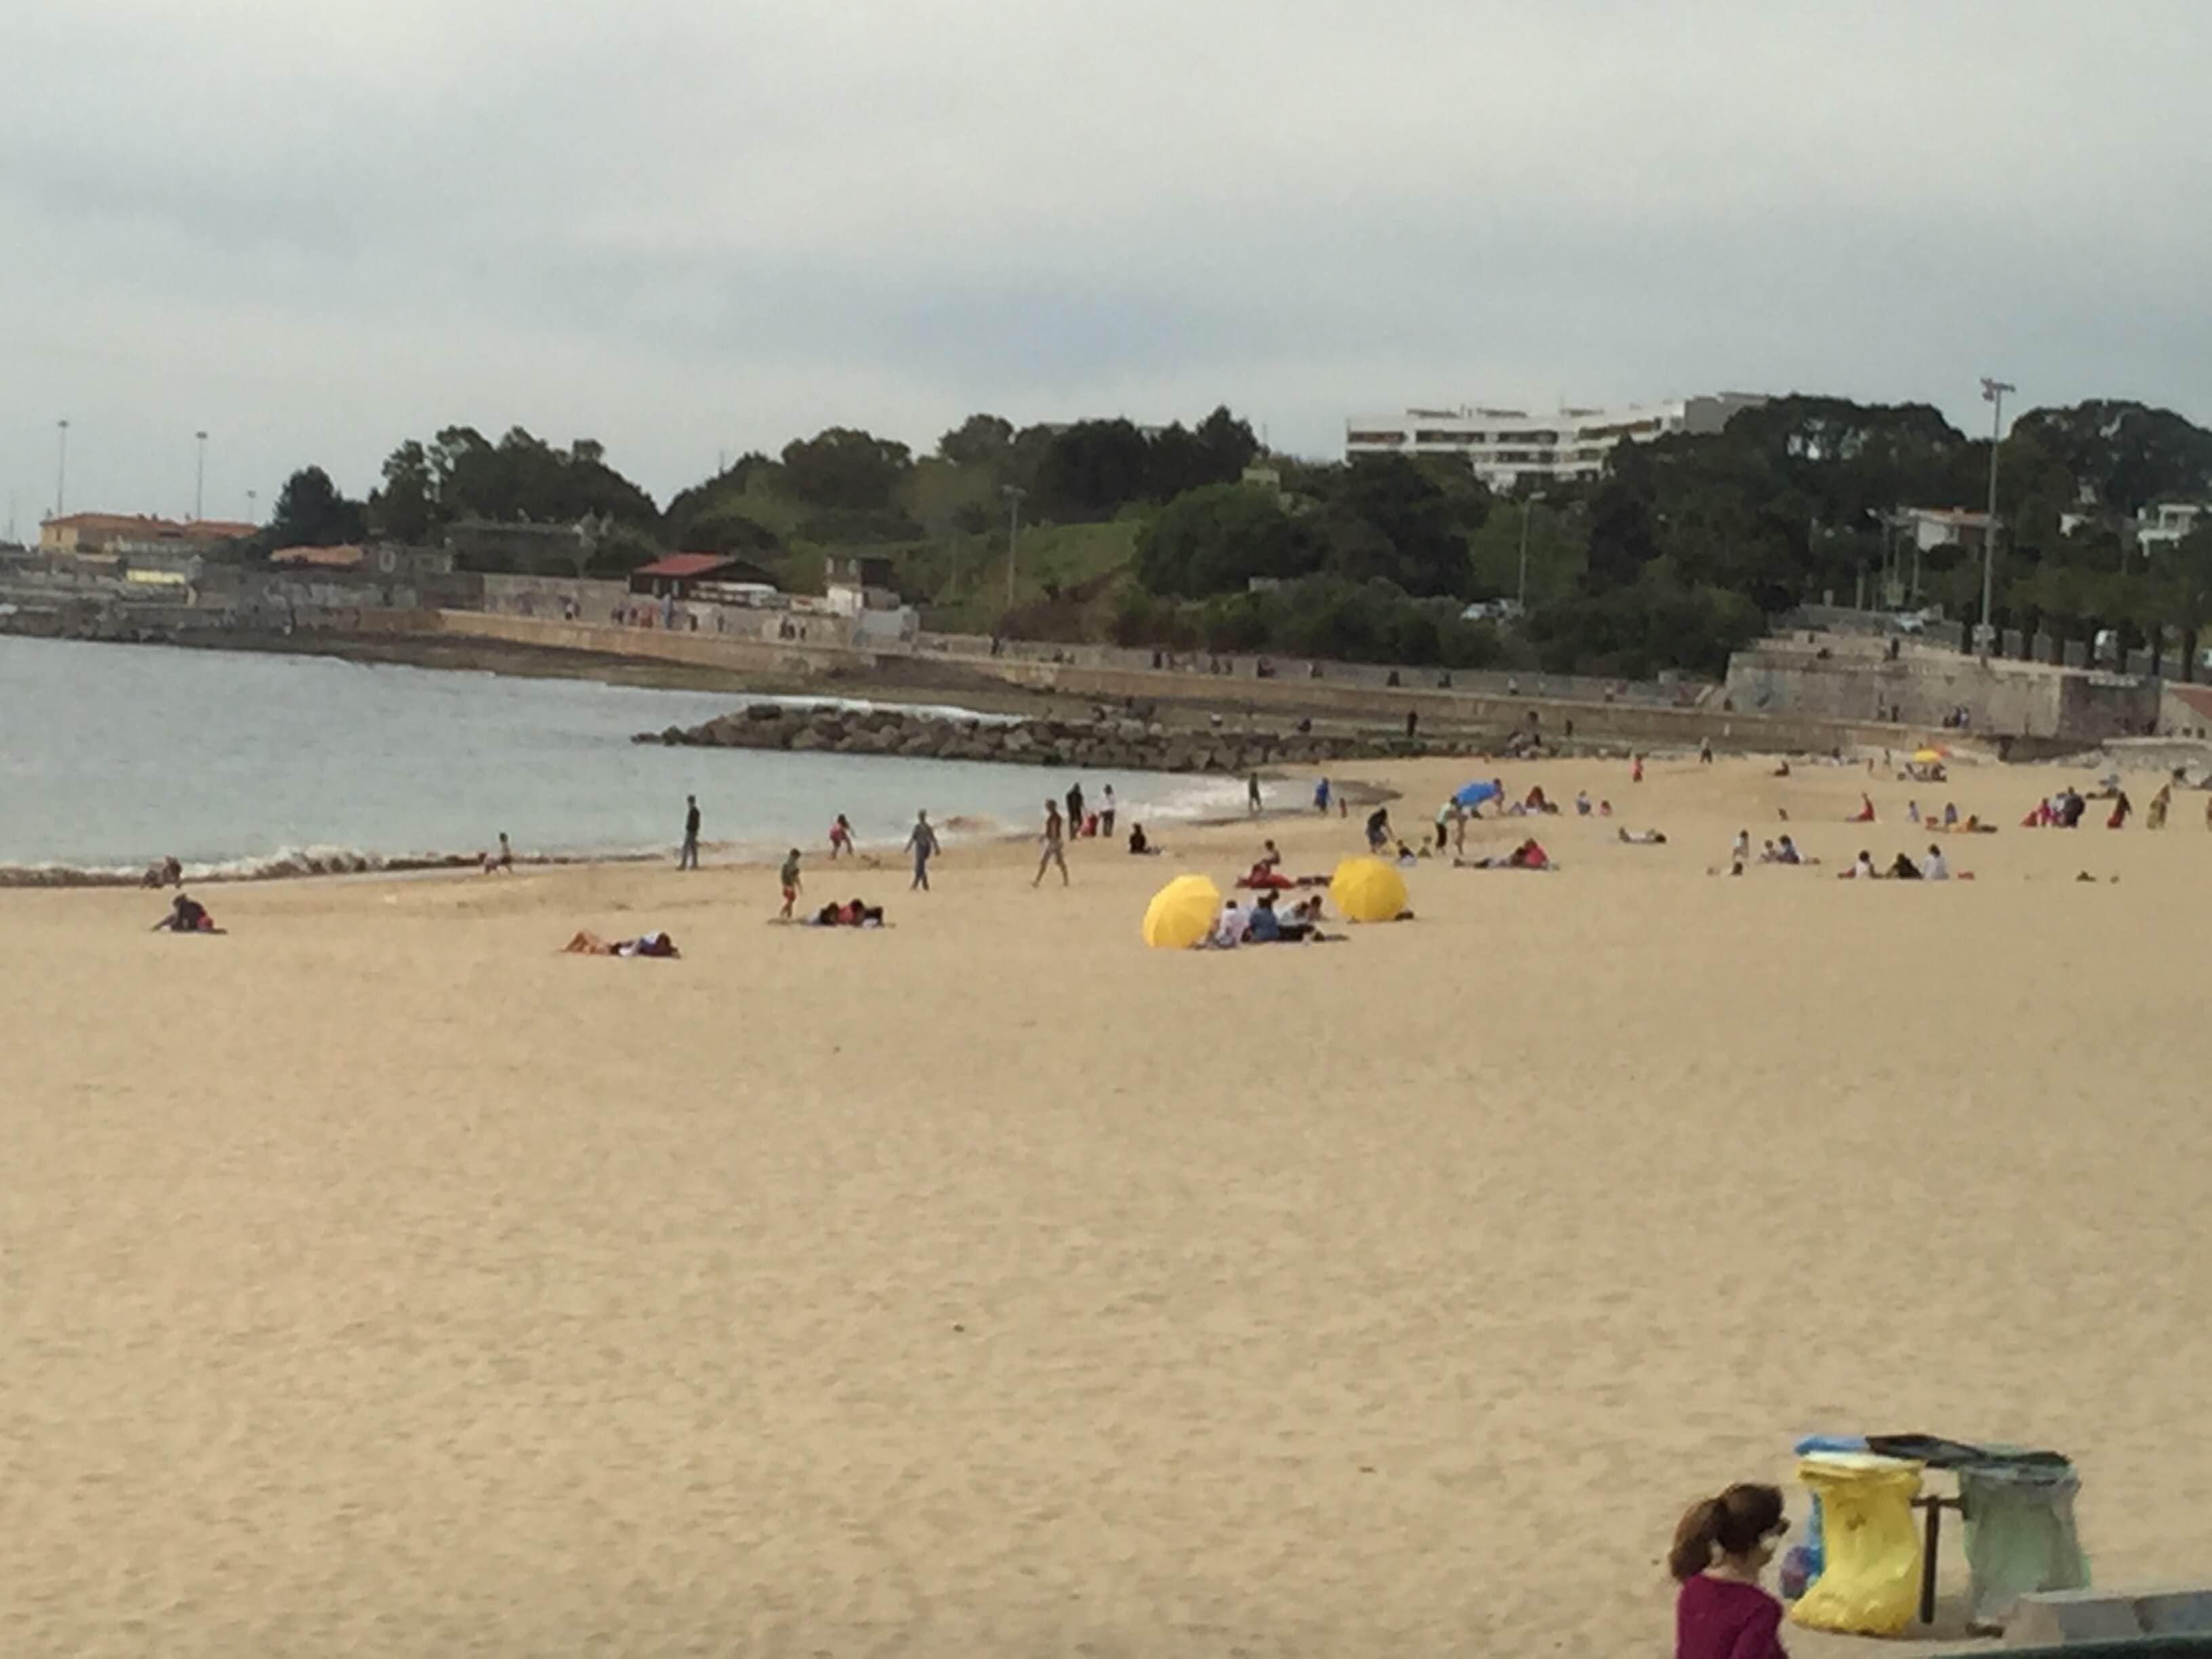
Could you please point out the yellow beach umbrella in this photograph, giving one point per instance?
(1368, 890)
(1181, 913)
(1926, 754)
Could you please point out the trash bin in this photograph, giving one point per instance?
(2020, 1534)
(1869, 1582)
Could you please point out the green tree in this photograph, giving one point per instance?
(1216, 539)
(846, 467)
(405, 507)
(2181, 592)
(1420, 527)
(311, 513)
(1093, 470)
(2127, 454)
(979, 440)
(1622, 539)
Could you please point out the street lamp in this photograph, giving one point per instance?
(1521, 594)
(61, 469)
(1993, 393)
(1013, 495)
(199, 477)
(253, 512)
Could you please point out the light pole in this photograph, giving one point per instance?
(253, 512)
(1521, 594)
(61, 469)
(199, 477)
(1993, 393)
(1014, 494)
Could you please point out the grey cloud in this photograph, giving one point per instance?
(340, 223)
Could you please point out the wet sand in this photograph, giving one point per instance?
(378, 1279)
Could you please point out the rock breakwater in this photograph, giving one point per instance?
(1123, 742)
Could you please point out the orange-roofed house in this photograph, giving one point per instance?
(105, 533)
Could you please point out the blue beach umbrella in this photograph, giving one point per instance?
(1473, 795)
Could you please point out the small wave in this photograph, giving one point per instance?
(287, 863)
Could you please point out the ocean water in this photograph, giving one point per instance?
(113, 757)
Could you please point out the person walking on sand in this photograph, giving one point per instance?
(922, 843)
(1050, 850)
(1320, 796)
(688, 858)
(841, 839)
(1704, 752)
(1075, 807)
(792, 886)
(1252, 794)
(1106, 806)
(1720, 1549)
(1635, 769)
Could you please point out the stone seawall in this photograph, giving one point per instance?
(1124, 743)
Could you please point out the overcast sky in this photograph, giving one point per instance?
(314, 227)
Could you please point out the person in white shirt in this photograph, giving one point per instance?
(1228, 929)
(1936, 869)
(1862, 869)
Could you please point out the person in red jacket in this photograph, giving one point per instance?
(1720, 1549)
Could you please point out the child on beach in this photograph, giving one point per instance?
(841, 839)
(1720, 1549)
(791, 886)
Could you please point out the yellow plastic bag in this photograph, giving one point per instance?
(1870, 1585)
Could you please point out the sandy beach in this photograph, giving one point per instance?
(379, 1280)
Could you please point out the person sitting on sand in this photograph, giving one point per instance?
(1643, 837)
(1605, 809)
(1862, 869)
(1785, 852)
(1140, 846)
(1720, 1548)
(1768, 854)
(1228, 929)
(1270, 857)
(1581, 803)
(1902, 868)
(1937, 868)
(1865, 814)
(186, 915)
(1782, 770)
(1262, 926)
(1408, 858)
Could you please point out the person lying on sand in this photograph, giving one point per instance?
(853, 913)
(1528, 855)
(588, 944)
(186, 915)
(1642, 838)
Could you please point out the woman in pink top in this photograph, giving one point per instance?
(1719, 1551)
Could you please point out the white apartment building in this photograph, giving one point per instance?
(2164, 526)
(1504, 445)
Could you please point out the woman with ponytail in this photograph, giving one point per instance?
(1719, 1551)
